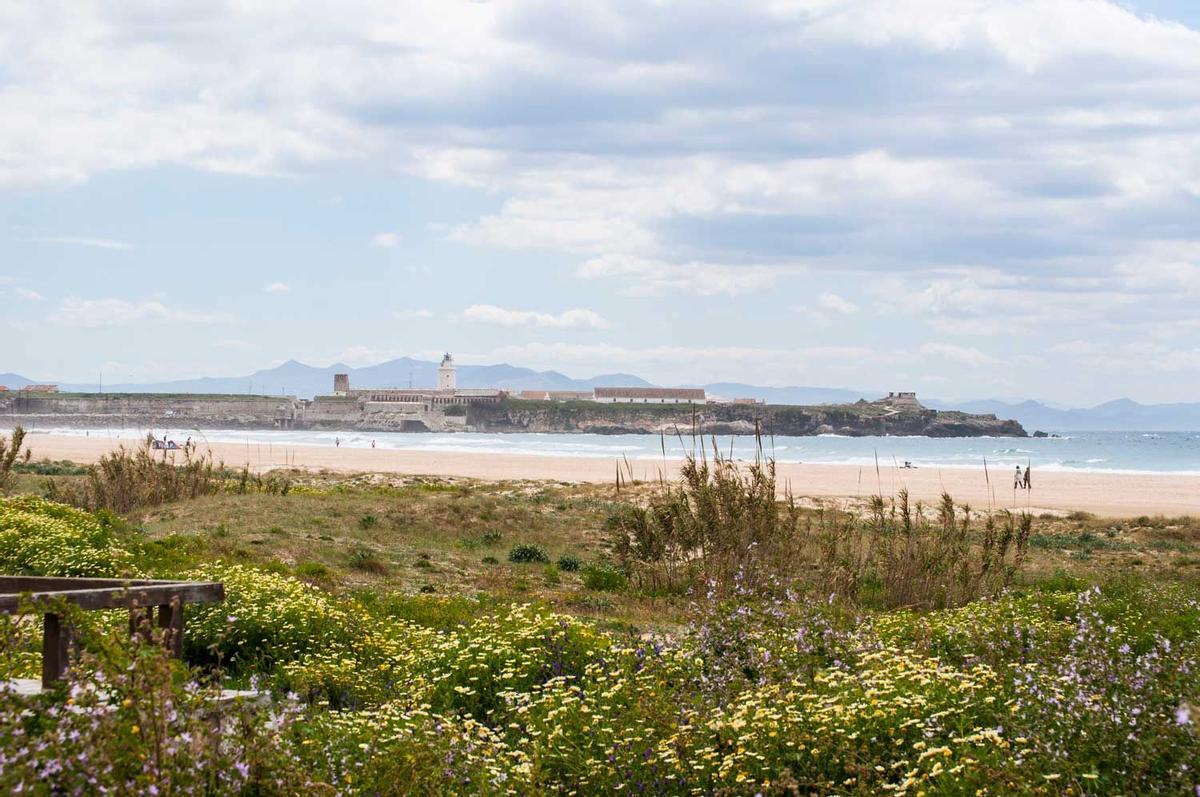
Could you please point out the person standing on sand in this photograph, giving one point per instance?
(1028, 483)
(1017, 478)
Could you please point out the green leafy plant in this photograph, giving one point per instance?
(524, 554)
(603, 578)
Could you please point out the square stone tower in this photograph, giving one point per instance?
(341, 384)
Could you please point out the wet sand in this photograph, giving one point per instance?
(1107, 494)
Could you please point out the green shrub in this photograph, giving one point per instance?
(523, 554)
(490, 560)
(569, 563)
(368, 522)
(368, 561)
(603, 578)
(313, 570)
(46, 467)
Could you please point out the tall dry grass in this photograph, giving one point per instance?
(721, 528)
(10, 454)
(126, 480)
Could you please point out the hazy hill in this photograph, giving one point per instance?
(1116, 416)
(296, 378)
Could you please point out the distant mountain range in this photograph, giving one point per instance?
(295, 378)
(1113, 416)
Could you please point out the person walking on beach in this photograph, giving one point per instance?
(1028, 483)
(1017, 478)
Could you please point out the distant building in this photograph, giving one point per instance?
(649, 395)
(40, 389)
(556, 395)
(904, 398)
(445, 395)
(447, 375)
(3, 388)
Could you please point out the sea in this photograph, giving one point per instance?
(1108, 452)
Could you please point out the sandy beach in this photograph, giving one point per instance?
(1108, 494)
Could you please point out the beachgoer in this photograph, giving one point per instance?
(1017, 478)
(1028, 483)
(372, 444)
(337, 442)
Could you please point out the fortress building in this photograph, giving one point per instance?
(904, 399)
(649, 395)
(446, 393)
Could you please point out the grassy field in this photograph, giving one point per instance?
(431, 636)
(452, 537)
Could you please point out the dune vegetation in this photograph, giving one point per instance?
(417, 636)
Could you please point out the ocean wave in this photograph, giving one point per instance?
(1099, 452)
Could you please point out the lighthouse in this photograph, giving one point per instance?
(447, 375)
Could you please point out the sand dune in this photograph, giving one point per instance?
(1116, 495)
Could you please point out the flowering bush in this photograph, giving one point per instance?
(266, 619)
(42, 538)
(130, 722)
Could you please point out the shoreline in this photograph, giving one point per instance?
(1105, 494)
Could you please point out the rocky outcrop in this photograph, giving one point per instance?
(510, 415)
(856, 420)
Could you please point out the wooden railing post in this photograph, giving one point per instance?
(170, 620)
(141, 621)
(56, 646)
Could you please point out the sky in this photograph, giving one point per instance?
(967, 198)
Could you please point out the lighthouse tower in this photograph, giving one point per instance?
(447, 375)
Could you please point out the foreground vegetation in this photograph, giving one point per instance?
(431, 637)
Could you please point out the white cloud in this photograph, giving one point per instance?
(1030, 170)
(386, 240)
(760, 365)
(419, 314)
(94, 313)
(964, 355)
(644, 277)
(235, 344)
(278, 287)
(26, 293)
(836, 304)
(569, 319)
(75, 240)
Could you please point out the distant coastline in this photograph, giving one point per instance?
(504, 414)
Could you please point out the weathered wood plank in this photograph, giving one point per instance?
(111, 597)
(14, 584)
